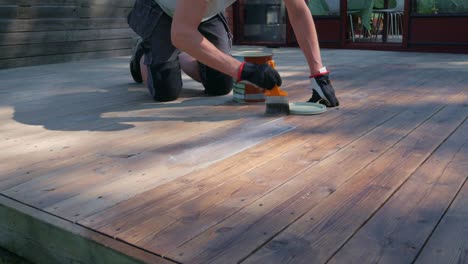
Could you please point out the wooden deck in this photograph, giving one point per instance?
(381, 179)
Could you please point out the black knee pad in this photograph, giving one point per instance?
(165, 81)
(215, 82)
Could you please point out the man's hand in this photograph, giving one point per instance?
(261, 75)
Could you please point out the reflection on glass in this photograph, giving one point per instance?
(434, 7)
(375, 20)
(324, 7)
(265, 21)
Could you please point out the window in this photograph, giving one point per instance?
(440, 7)
(264, 21)
(324, 7)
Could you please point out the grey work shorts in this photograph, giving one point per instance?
(150, 22)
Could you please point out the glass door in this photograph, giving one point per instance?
(262, 22)
(375, 22)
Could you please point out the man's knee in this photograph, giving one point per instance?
(165, 81)
(215, 82)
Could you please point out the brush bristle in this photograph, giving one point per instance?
(277, 105)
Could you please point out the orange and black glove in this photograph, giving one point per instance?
(261, 75)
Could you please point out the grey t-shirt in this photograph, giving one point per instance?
(214, 7)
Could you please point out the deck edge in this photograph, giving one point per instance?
(40, 237)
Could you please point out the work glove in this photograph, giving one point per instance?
(261, 75)
(322, 89)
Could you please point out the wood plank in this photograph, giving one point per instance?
(53, 12)
(21, 51)
(103, 11)
(196, 216)
(28, 12)
(284, 204)
(19, 38)
(52, 80)
(169, 113)
(69, 109)
(215, 175)
(397, 232)
(8, 12)
(98, 114)
(230, 186)
(118, 3)
(238, 233)
(448, 243)
(318, 234)
(166, 112)
(162, 170)
(41, 238)
(67, 160)
(122, 215)
(47, 24)
(39, 60)
(64, 107)
(162, 138)
(224, 205)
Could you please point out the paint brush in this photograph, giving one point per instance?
(277, 102)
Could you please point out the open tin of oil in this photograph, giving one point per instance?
(247, 93)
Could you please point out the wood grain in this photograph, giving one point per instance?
(318, 234)
(448, 243)
(398, 231)
(41, 32)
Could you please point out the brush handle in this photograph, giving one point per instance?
(276, 91)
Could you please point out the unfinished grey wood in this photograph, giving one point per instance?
(39, 60)
(20, 51)
(176, 165)
(21, 38)
(33, 25)
(120, 3)
(73, 21)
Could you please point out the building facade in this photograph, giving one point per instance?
(413, 25)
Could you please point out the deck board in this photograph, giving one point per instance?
(237, 165)
(448, 243)
(397, 233)
(303, 192)
(323, 230)
(206, 180)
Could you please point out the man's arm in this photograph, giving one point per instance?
(304, 27)
(186, 37)
(306, 34)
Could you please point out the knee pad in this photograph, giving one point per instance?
(165, 81)
(215, 82)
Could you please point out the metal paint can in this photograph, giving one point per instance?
(247, 93)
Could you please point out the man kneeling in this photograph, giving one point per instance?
(158, 63)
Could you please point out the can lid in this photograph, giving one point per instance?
(251, 54)
(306, 108)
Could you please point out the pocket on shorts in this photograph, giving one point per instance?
(144, 17)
